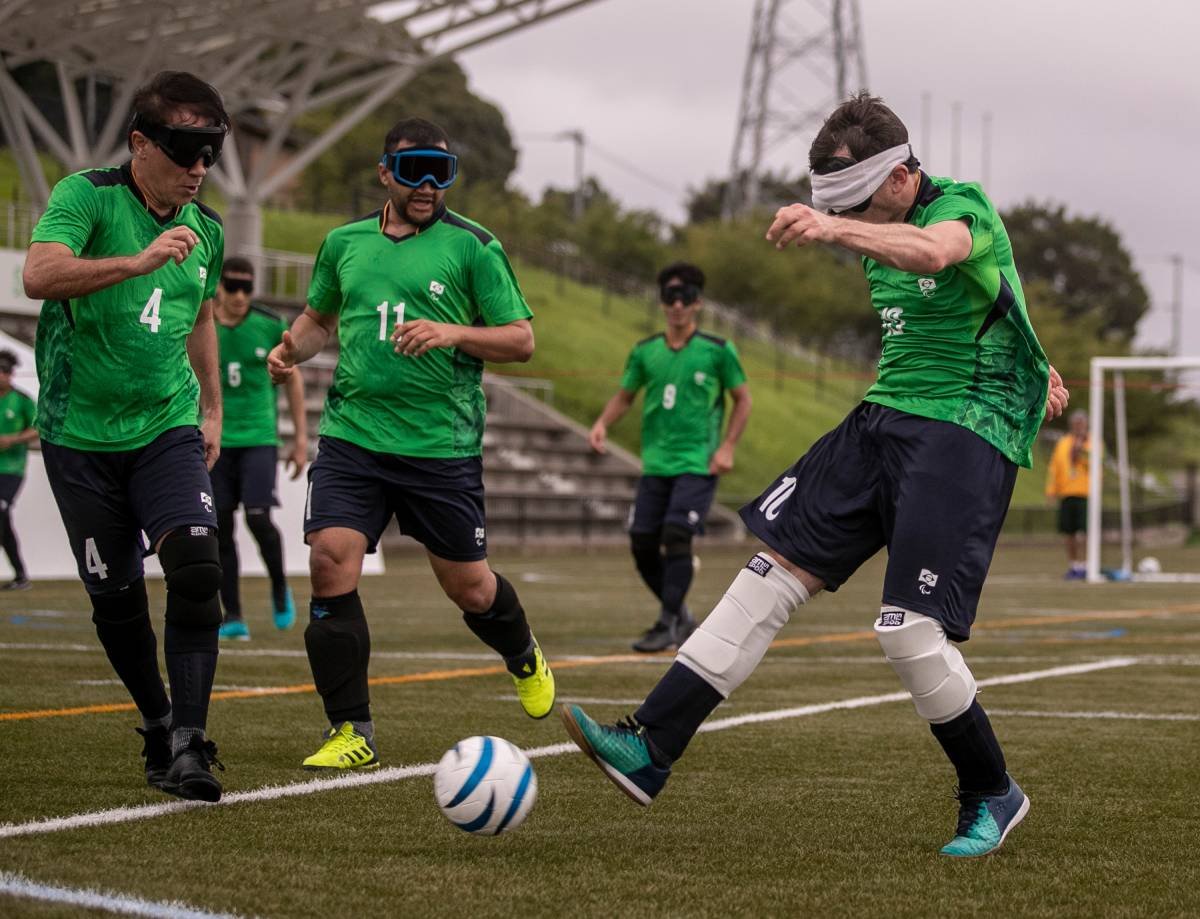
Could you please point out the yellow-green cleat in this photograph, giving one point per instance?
(535, 686)
(344, 748)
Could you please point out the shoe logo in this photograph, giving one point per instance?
(927, 285)
(891, 618)
(207, 501)
(928, 581)
(759, 566)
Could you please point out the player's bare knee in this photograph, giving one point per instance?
(190, 558)
(474, 594)
(929, 666)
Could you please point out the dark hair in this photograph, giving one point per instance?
(173, 90)
(238, 264)
(865, 126)
(686, 272)
(8, 360)
(416, 131)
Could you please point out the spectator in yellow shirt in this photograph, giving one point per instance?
(1067, 480)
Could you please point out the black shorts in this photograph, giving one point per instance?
(246, 476)
(107, 500)
(931, 491)
(438, 502)
(9, 486)
(1072, 515)
(682, 500)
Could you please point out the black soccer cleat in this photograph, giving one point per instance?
(190, 775)
(156, 751)
(659, 637)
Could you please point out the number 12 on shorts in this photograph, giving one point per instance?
(382, 309)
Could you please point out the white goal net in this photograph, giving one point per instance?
(1181, 376)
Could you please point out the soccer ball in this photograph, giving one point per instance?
(485, 785)
(1149, 565)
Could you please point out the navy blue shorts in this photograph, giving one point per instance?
(932, 492)
(9, 486)
(438, 502)
(683, 500)
(246, 476)
(107, 500)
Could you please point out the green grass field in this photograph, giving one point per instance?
(838, 813)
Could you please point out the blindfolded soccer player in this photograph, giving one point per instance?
(924, 466)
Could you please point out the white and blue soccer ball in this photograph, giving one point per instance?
(1149, 565)
(485, 785)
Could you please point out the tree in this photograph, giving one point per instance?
(775, 190)
(1084, 261)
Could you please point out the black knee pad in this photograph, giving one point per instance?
(190, 558)
(645, 545)
(338, 642)
(676, 540)
(258, 522)
(122, 608)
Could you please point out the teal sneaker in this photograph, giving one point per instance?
(285, 618)
(234, 630)
(985, 820)
(621, 750)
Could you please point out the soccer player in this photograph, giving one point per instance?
(245, 471)
(17, 412)
(1067, 479)
(127, 262)
(420, 297)
(925, 466)
(686, 373)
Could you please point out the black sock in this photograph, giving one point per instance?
(8, 539)
(677, 578)
(270, 546)
(227, 541)
(647, 556)
(972, 747)
(191, 565)
(503, 628)
(123, 626)
(338, 642)
(674, 711)
(191, 655)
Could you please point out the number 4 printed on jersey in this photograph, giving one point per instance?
(150, 315)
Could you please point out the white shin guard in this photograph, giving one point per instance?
(728, 645)
(929, 666)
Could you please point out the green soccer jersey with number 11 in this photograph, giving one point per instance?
(247, 393)
(451, 271)
(685, 399)
(113, 364)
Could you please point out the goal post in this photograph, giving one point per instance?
(1117, 366)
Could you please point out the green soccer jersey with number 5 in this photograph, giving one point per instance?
(113, 364)
(247, 393)
(451, 271)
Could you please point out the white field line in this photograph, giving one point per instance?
(397, 773)
(581, 700)
(1116, 716)
(18, 886)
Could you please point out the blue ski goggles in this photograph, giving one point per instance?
(414, 166)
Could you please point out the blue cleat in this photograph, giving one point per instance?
(285, 618)
(234, 630)
(621, 750)
(985, 820)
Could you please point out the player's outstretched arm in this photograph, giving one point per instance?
(54, 272)
(306, 337)
(202, 352)
(499, 344)
(616, 407)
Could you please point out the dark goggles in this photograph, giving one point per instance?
(233, 285)
(688, 293)
(184, 145)
(414, 166)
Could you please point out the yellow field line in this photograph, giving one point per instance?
(432, 676)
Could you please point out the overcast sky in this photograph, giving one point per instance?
(1093, 103)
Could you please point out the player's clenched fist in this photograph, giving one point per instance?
(799, 224)
(176, 244)
(281, 361)
(416, 337)
(1057, 396)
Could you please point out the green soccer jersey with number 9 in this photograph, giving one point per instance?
(113, 364)
(451, 271)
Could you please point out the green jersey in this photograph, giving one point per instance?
(451, 270)
(958, 345)
(113, 364)
(17, 412)
(247, 393)
(685, 399)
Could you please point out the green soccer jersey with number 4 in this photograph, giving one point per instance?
(113, 364)
(247, 393)
(452, 271)
(685, 399)
(958, 345)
